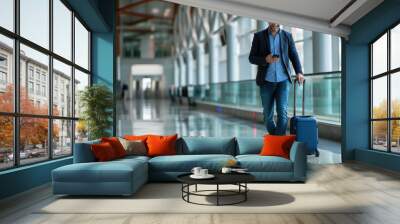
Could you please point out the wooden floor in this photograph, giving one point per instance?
(378, 189)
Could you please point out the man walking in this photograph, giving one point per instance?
(271, 50)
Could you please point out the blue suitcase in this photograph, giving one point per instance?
(305, 127)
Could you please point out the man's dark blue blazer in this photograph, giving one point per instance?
(260, 48)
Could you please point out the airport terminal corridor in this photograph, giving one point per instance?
(199, 112)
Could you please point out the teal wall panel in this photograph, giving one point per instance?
(24, 178)
(91, 14)
(380, 159)
(355, 145)
(103, 56)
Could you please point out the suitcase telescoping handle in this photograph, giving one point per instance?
(302, 98)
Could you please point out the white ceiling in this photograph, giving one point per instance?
(315, 15)
(321, 9)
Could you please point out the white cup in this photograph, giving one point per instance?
(226, 170)
(196, 171)
(203, 172)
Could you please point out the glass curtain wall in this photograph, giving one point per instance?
(44, 63)
(323, 85)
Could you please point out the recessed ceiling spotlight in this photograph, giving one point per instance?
(155, 10)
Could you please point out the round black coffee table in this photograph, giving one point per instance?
(238, 179)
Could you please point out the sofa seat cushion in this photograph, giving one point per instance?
(113, 171)
(257, 163)
(133, 158)
(185, 163)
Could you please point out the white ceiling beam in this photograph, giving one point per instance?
(267, 14)
(347, 12)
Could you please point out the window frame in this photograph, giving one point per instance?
(16, 114)
(388, 74)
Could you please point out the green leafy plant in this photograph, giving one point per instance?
(96, 102)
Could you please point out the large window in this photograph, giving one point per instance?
(62, 24)
(385, 95)
(34, 22)
(7, 14)
(81, 45)
(40, 80)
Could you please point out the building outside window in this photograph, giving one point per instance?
(3, 72)
(43, 90)
(30, 87)
(3, 77)
(55, 97)
(30, 72)
(3, 81)
(38, 89)
(37, 74)
(3, 60)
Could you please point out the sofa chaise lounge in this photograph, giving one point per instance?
(125, 176)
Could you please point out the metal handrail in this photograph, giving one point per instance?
(246, 80)
(195, 91)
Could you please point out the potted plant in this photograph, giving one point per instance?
(96, 102)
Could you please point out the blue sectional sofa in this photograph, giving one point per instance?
(125, 176)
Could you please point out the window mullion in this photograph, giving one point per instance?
(50, 81)
(371, 94)
(389, 106)
(16, 84)
(73, 81)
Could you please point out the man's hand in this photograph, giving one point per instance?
(271, 59)
(300, 78)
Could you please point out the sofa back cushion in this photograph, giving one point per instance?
(206, 145)
(249, 145)
(83, 152)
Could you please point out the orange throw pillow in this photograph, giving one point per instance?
(103, 152)
(116, 145)
(161, 145)
(276, 145)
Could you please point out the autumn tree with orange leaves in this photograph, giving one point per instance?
(380, 127)
(33, 131)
